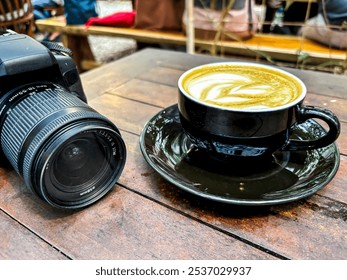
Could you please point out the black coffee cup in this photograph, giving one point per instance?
(247, 110)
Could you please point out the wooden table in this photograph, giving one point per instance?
(145, 217)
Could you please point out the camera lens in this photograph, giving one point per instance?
(66, 152)
(79, 161)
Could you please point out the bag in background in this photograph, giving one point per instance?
(240, 22)
(159, 14)
(79, 11)
(329, 26)
(317, 29)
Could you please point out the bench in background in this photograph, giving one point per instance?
(277, 47)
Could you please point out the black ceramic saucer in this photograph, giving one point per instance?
(288, 177)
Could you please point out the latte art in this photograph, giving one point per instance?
(240, 86)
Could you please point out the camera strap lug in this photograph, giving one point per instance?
(55, 47)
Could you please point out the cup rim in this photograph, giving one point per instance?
(288, 105)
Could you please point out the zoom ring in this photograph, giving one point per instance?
(24, 116)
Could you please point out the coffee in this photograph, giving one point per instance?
(242, 86)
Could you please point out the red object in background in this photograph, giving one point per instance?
(120, 19)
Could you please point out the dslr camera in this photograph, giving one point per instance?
(65, 152)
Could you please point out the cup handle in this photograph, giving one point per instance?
(310, 112)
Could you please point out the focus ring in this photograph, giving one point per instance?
(25, 115)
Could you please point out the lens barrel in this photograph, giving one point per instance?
(65, 151)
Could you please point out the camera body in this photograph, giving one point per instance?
(24, 60)
(65, 151)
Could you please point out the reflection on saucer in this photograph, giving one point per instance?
(288, 176)
(243, 180)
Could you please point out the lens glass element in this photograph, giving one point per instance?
(79, 161)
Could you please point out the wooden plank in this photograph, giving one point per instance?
(277, 47)
(291, 44)
(342, 140)
(144, 91)
(147, 36)
(315, 81)
(123, 225)
(336, 190)
(162, 75)
(18, 243)
(98, 81)
(334, 104)
(125, 113)
(322, 83)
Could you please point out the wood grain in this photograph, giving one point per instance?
(18, 243)
(123, 225)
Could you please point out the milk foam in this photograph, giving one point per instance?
(242, 86)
